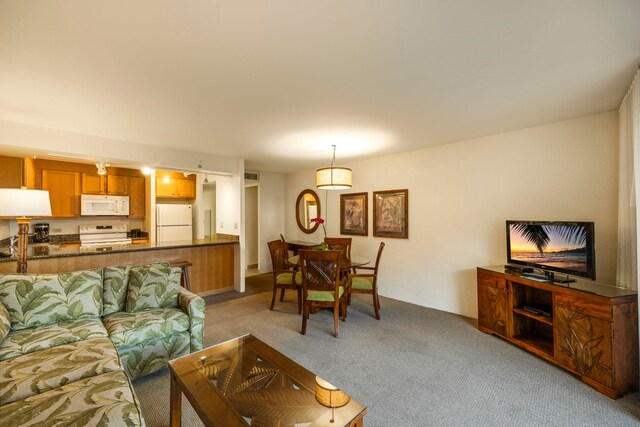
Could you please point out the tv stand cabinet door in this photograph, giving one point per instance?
(493, 304)
(583, 339)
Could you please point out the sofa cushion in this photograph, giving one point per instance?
(127, 329)
(116, 284)
(106, 399)
(151, 356)
(152, 287)
(5, 322)
(29, 340)
(44, 299)
(37, 372)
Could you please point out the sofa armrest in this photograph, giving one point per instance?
(194, 306)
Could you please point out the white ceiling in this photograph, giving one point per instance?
(277, 82)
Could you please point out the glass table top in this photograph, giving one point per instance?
(257, 385)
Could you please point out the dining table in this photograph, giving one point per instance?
(345, 263)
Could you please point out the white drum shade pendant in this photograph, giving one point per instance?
(333, 177)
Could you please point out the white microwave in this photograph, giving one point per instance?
(91, 205)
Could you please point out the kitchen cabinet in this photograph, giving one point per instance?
(64, 192)
(10, 172)
(175, 188)
(92, 183)
(137, 201)
(117, 185)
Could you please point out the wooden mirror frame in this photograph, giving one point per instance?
(298, 219)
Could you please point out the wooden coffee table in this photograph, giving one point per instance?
(245, 381)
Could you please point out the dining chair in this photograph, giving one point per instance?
(284, 275)
(342, 244)
(321, 285)
(361, 283)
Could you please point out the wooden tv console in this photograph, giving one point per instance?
(591, 329)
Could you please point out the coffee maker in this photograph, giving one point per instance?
(41, 233)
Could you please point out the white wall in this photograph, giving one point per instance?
(271, 199)
(460, 195)
(4, 228)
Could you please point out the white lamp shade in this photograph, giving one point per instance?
(333, 178)
(27, 203)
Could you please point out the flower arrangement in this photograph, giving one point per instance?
(320, 221)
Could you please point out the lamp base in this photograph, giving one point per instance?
(23, 242)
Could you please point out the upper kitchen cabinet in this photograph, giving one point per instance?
(92, 183)
(117, 185)
(174, 185)
(136, 197)
(64, 192)
(10, 172)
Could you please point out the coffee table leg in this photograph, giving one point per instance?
(175, 402)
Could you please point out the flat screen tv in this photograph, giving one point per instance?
(563, 247)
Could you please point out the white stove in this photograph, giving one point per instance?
(103, 235)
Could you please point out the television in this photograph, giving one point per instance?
(559, 246)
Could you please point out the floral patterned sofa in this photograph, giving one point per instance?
(71, 342)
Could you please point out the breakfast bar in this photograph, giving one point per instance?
(214, 259)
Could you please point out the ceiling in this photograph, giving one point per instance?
(277, 82)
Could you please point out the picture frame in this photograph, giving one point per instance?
(354, 214)
(391, 214)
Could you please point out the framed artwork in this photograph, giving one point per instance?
(354, 213)
(391, 213)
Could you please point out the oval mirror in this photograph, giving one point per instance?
(307, 208)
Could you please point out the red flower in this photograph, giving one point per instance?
(318, 220)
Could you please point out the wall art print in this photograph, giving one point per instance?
(354, 213)
(391, 213)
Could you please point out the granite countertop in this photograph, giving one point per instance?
(50, 250)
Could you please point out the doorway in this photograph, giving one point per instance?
(251, 229)
(209, 205)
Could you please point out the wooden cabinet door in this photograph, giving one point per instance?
(582, 338)
(10, 172)
(92, 183)
(64, 192)
(117, 185)
(136, 197)
(493, 304)
(186, 188)
(165, 187)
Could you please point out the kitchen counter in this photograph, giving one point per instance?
(70, 249)
(215, 261)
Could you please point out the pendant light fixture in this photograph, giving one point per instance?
(333, 177)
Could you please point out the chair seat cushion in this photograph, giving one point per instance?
(362, 283)
(42, 337)
(127, 329)
(106, 399)
(285, 278)
(45, 299)
(43, 370)
(323, 295)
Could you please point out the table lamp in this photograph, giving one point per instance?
(329, 396)
(23, 204)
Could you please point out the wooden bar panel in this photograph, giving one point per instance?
(213, 268)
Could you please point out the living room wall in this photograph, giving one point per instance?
(460, 195)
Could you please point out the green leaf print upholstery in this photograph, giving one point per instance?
(195, 307)
(45, 299)
(106, 399)
(47, 336)
(44, 370)
(152, 287)
(116, 285)
(151, 356)
(5, 322)
(127, 329)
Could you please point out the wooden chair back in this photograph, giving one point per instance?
(380, 249)
(342, 244)
(278, 251)
(320, 270)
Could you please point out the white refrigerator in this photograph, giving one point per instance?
(173, 222)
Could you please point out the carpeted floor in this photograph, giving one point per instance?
(414, 367)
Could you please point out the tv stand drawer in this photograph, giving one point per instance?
(581, 305)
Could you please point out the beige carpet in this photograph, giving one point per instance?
(415, 367)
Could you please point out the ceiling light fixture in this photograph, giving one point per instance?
(333, 177)
(146, 171)
(102, 167)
